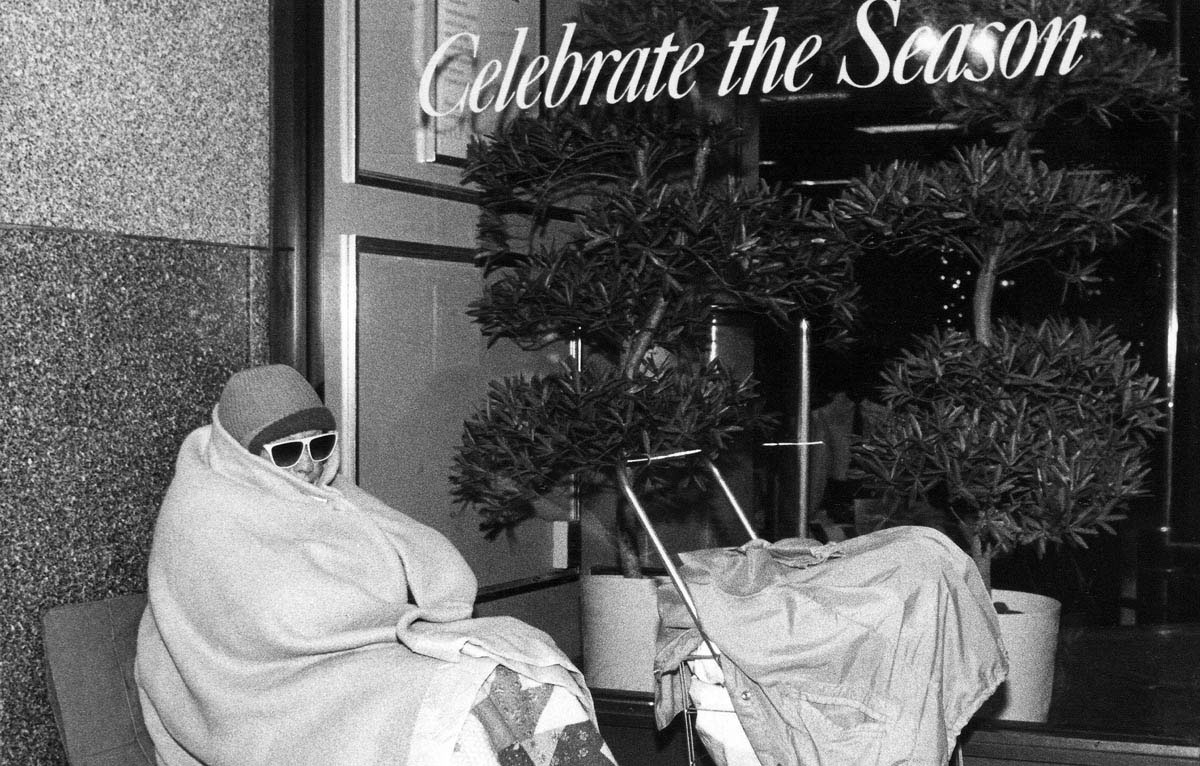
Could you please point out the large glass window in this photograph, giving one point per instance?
(1147, 289)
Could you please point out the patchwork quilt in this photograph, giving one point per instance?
(516, 721)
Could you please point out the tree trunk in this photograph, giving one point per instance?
(983, 562)
(640, 343)
(627, 543)
(627, 524)
(985, 289)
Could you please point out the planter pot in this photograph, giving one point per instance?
(620, 624)
(1030, 634)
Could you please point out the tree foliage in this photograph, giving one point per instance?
(625, 228)
(998, 208)
(1039, 437)
(1118, 75)
(535, 433)
(1028, 435)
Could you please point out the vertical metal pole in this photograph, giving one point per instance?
(804, 408)
(575, 349)
(1171, 277)
(1153, 569)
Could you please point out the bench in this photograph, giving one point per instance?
(89, 674)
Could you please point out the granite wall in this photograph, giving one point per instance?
(134, 216)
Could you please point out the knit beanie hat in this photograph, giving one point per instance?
(262, 404)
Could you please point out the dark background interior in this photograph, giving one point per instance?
(811, 142)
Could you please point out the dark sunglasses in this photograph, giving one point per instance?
(286, 454)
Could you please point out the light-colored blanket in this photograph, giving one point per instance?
(311, 625)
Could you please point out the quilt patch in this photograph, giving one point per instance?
(532, 724)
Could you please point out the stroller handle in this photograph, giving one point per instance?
(625, 481)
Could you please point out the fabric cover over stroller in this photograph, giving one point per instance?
(874, 650)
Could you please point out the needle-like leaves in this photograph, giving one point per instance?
(1043, 436)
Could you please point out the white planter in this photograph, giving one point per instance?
(620, 624)
(1031, 637)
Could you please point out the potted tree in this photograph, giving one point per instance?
(633, 280)
(624, 231)
(1042, 436)
(1025, 435)
(1000, 210)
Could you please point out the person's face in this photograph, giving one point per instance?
(306, 468)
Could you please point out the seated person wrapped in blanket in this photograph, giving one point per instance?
(295, 619)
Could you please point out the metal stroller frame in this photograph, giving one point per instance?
(625, 482)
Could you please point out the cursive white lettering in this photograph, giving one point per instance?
(928, 45)
(862, 23)
(425, 91)
(967, 51)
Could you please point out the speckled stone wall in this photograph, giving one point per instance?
(136, 116)
(115, 348)
(134, 214)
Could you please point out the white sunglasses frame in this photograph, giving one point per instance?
(270, 447)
